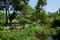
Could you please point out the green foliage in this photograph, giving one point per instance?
(14, 21)
(58, 33)
(22, 20)
(44, 17)
(58, 17)
(1, 28)
(19, 4)
(39, 8)
(23, 34)
(29, 14)
(2, 18)
(27, 10)
(31, 33)
(40, 5)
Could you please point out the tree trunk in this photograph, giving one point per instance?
(10, 20)
(6, 18)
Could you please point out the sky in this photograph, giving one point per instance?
(52, 5)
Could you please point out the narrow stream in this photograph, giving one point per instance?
(50, 38)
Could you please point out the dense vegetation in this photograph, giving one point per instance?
(35, 23)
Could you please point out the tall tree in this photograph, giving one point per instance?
(19, 5)
(39, 7)
(4, 4)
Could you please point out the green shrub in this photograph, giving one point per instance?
(1, 28)
(2, 18)
(58, 17)
(16, 35)
(14, 21)
(31, 33)
(22, 20)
